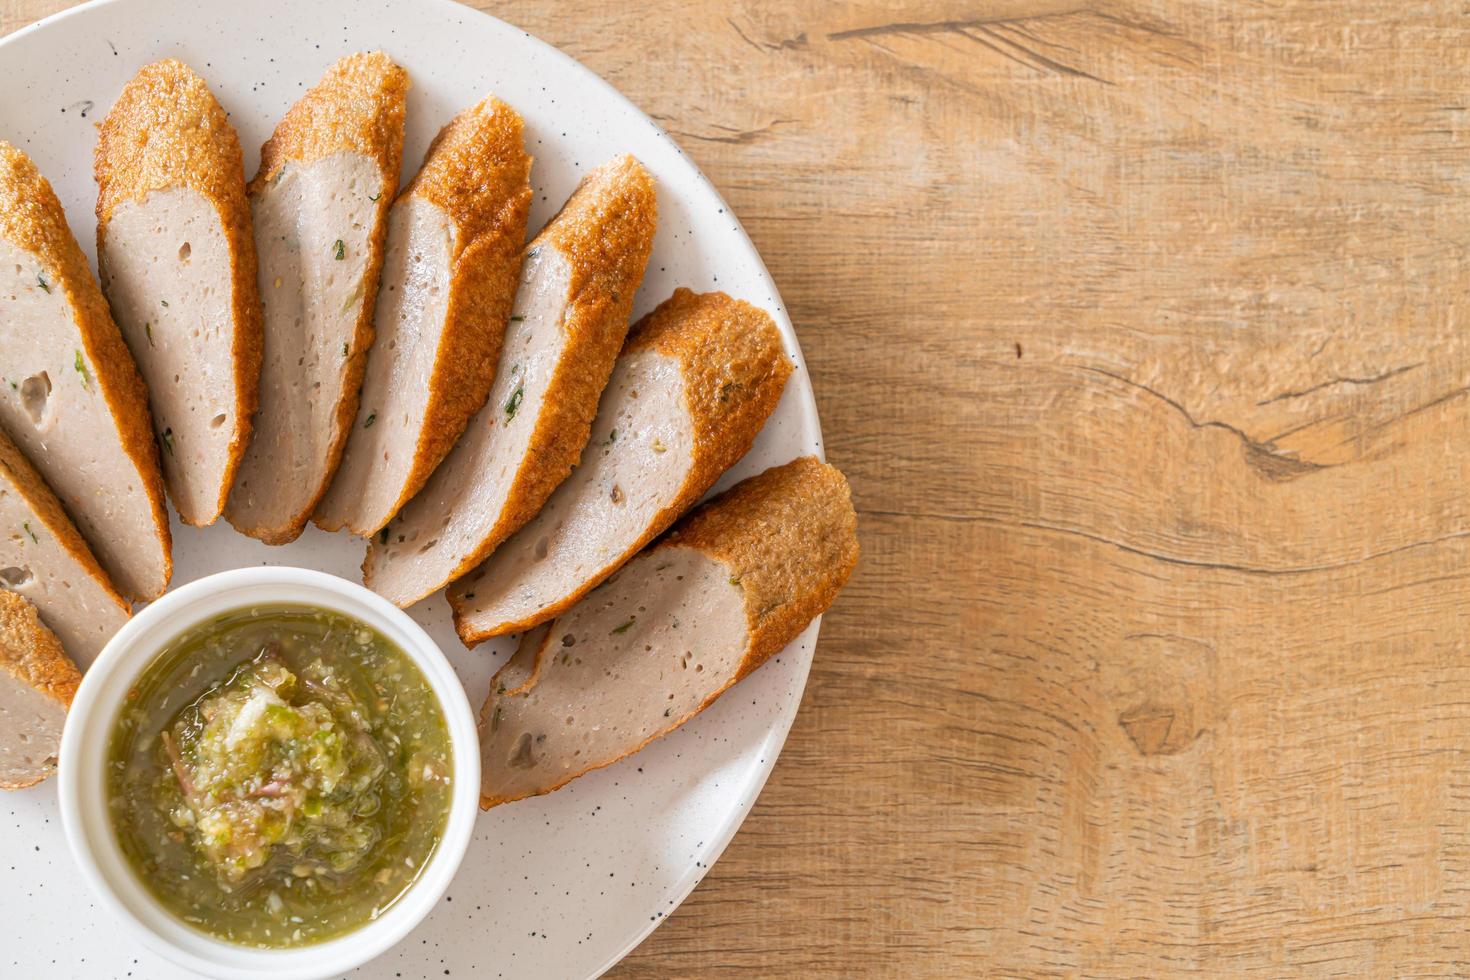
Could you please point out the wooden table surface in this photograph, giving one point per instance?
(1138, 327)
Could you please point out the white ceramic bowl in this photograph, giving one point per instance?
(84, 750)
(534, 897)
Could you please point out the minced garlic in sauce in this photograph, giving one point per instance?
(280, 775)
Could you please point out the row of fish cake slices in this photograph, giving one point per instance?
(403, 368)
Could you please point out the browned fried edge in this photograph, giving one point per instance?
(32, 654)
(505, 680)
(32, 220)
(478, 173)
(357, 107)
(734, 367)
(606, 230)
(167, 130)
(789, 538)
(19, 473)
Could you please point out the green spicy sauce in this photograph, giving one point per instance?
(279, 776)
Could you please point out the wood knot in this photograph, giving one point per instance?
(1163, 691)
(1277, 467)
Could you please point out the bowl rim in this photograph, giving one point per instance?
(84, 813)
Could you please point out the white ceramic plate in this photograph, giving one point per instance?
(560, 886)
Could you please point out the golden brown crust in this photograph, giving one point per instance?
(18, 472)
(735, 368)
(357, 107)
(606, 232)
(32, 654)
(166, 130)
(789, 538)
(478, 172)
(31, 218)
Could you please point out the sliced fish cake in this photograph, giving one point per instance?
(449, 276)
(44, 559)
(731, 585)
(70, 395)
(177, 263)
(321, 197)
(696, 380)
(570, 317)
(37, 684)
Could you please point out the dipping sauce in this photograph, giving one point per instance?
(279, 776)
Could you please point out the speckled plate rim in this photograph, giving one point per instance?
(776, 739)
(803, 404)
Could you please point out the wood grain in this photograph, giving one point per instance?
(1137, 326)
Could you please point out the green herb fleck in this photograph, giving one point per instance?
(374, 197)
(14, 386)
(81, 367)
(148, 329)
(164, 302)
(495, 721)
(344, 349)
(624, 628)
(341, 252)
(517, 319)
(612, 437)
(514, 403)
(41, 281)
(534, 252)
(27, 526)
(734, 579)
(351, 300)
(168, 440)
(368, 423)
